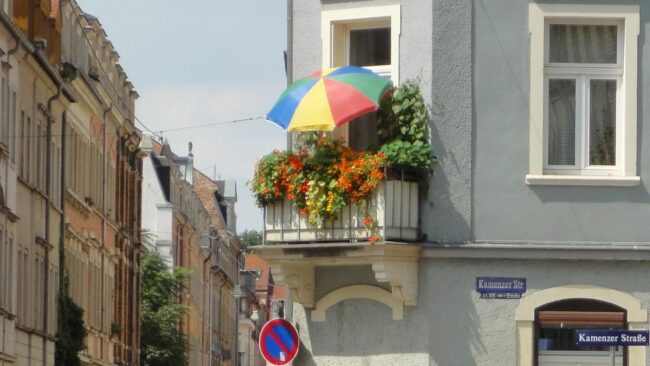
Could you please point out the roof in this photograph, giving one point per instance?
(205, 188)
(255, 263)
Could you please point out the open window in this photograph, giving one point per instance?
(368, 37)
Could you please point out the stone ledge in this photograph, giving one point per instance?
(393, 263)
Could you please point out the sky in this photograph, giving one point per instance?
(208, 61)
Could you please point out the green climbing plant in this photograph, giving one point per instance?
(71, 328)
(404, 133)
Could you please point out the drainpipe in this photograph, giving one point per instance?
(225, 282)
(209, 299)
(48, 194)
(289, 56)
(64, 126)
(103, 310)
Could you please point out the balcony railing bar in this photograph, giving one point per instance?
(285, 224)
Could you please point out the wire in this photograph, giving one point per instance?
(158, 133)
(213, 124)
(146, 128)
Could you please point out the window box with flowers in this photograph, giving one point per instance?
(327, 192)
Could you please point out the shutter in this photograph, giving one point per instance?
(565, 319)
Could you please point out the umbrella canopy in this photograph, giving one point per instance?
(328, 98)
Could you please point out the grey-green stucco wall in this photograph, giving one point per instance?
(451, 325)
(435, 47)
(504, 207)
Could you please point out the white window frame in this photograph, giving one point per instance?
(626, 17)
(335, 33)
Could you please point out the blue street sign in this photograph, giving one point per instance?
(500, 287)
(607, 337)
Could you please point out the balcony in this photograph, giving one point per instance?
(294, 248)
(394, 205)
(327, 206)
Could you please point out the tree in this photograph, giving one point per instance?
(71, 328)
(251, 238)
(162, 343)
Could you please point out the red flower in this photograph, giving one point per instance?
(374, 239)
(368, 221)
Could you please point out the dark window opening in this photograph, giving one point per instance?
(370, 47)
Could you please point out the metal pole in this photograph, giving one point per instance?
(612, 355)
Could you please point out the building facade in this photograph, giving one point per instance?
(33, 100)
(103, 175)
(70, 185)
(218, 197)
(536, 116)
(185, 219)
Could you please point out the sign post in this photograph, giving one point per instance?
(279, 342)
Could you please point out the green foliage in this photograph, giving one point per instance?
(251, 238)
(71, 329)
(162, 342)
(404, 133)
(414, 156)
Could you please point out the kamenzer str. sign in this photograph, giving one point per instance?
(611, 337)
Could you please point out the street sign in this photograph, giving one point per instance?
(279, 342)
(500, 287)
(607, 337)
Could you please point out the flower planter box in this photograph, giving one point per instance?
(394, 205)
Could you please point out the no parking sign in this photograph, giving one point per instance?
(279, 342)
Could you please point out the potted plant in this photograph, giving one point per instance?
(320, 179)
(403, 134)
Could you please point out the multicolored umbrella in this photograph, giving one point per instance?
(328, 98)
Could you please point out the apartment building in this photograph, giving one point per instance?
(103, 171)
(70, 179)
(33, 100)
(534, 222)
(185, 219)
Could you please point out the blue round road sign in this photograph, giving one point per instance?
(279, 342)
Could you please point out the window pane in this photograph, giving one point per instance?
(370, 47)
(583, 43)
(602, 122)
(362, 133)
(561, 121)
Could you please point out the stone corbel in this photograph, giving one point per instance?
(301, 280)
(402, 277)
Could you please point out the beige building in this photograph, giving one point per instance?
(185, 216)
(102, 192)
(33, 100)
(69, 177)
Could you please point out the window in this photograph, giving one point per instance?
(12, 131)
(4, 273)
(368, 37)
(542, 315)
(557, 322)
(583, 94)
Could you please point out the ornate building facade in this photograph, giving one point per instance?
(70, 182)
(183, 219)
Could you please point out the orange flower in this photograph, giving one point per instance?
(374, 239)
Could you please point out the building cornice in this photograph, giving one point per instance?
(569, 251)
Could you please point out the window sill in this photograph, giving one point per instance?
(582, 180)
